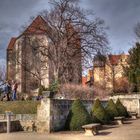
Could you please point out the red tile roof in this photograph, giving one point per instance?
(37, 26)
(11, 43)
(114, 59)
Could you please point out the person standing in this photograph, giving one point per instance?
(3, 95)
(14, 90)
(7, 90)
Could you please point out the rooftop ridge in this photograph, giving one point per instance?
(11, 43)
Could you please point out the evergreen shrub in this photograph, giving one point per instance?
(77, 116)
(121, 109)
(99, 113)
(112, 109)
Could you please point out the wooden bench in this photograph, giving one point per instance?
(133, 115)
(119, 120)
(91, 129)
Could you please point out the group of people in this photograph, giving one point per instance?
(10, 91)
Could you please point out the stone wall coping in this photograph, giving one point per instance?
(20, 114)
(75, 99)
(125, 98)
(6, 120)
(69, 100)
(132, 96)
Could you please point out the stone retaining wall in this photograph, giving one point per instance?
(52, 113)
(19, 122)
(15, 126)
(131, 102)
(60, 110)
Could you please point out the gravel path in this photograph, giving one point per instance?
(129, 131)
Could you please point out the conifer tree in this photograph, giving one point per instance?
(99, 113)
(132, 71)
(77, 117)
(121, 109)
(112, 109)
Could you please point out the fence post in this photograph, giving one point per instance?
(138, 107)
(8, 116)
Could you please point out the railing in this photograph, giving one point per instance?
(8, 117)
(21, 117)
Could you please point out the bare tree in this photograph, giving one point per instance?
(2, 74)
(74, 37)
(116, 72)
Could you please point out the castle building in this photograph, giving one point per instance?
(108, 70)
(108, 73)
(24, 60)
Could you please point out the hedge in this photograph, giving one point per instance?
(77, 117)
(112, 109)
(99, 114)
(121, 109)
(19, 107)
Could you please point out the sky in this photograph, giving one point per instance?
(120, 16)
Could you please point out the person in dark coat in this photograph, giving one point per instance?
(7, 91)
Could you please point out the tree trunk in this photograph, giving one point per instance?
(56, 77)
(113, 79)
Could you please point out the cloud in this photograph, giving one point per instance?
(121, 16)
(14, 14)
(11, 8)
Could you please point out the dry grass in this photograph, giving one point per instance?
(73, 91)
(100, 92)
(19, 107)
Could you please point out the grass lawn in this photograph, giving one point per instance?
(19, 107)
